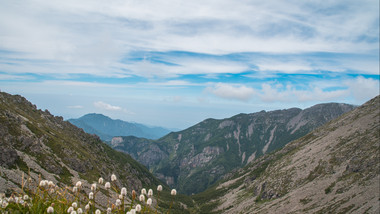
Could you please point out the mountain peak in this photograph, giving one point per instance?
(107, 128)
(95, 116)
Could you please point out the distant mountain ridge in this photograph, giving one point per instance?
(333, 169)
(195, 158)
(107, 128)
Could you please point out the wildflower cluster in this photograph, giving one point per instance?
(47, 197)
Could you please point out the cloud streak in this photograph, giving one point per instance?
(106, 106)
(190, 52)
(229, 91)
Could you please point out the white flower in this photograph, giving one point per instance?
(70, 209)
(109, 210)
(150, 192)
(74, 204)
(98, 211)
(78, 184)
(4, 204)
(133, 211)
(149, 201)
(118, 202)
(129, 212)
(142, 198)
(51, 184)
(101, 180)
(73, 212)
(91, 195)
(143, 191)
(138, 208)
(159, 188)
(123, 191)
(26, 197)
(50, 209)
(16, 199)
(173, 192)
(113, 177)
(93, 187)
(87, 207)
(121, 197)
(107, 185)
(43, 183)
(75, 189)
(80, 211)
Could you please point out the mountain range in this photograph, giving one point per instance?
(331, 166)
(195, 158)
(107, 128)
(333, 169)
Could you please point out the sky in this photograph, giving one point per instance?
(176, 63)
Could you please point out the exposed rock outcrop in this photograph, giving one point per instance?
(334, 169)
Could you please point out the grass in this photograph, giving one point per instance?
(44, 196)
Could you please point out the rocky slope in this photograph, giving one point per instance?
(193, 159)
(334, 169)
(106, 128)
(147, 152)
(46, 145)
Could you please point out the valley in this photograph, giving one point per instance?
(321, 159)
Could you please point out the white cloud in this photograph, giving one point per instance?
(363, 89)
(100, 33)
(284, 67)
(14, 77)
(169, 83)
(290, 93)
(66, 47)
(231, 91)
(106, 106)
(183, 66)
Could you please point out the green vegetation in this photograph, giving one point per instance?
(47, 197)
(305, 201)
(329, 188)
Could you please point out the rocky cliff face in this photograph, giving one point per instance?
(193, 159)
(143, 150)
(36, 141)
(334, 169)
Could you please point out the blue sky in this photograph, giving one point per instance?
(175, 63)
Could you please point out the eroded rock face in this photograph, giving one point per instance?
(234, 142)
(8, 157)
(213, 148)
(199, 160)
(334, 168)
(143, 150)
